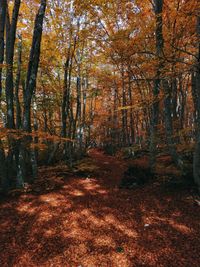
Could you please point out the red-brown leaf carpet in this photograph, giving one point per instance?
(90, 222)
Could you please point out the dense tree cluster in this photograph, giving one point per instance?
(114, 73)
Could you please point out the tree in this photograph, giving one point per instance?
(10, 46)
(196, 88)
(3, 6)
(33, 66)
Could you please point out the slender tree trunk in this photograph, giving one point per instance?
(131, 112)
(11, 27)
(83, 128)
(3, 176)
(3, 172)
(33, 65)
(115, 115)
(3, 6)
(157, 82)
(76, 123)
(125, 135)
(65, 112)
(196, 88)
(169, 126)
(10, 44)
(65, 97)
(17, 83)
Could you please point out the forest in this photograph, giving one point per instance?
(100, 133)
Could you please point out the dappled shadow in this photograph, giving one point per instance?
(90, 222)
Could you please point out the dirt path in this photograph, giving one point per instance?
(90, 222)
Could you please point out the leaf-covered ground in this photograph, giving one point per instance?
(89, 222)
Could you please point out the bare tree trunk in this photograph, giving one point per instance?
(3, 7)
(3, 176)
(29, 91)
(10, 44)
(131, 111)
(84, 97)
(169, 126)
(157, 82)
(125, 135)
(11, 27)
(115, 115)
(65, 97)
(3, 172)
(33, 65)
(77, 118)
(196, 88)
(17, 83)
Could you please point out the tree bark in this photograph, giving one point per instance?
(17, 83)
(157, 83)
(10, 45)
(196, 88)
(3, 6)
(28, 94)
(33, 65)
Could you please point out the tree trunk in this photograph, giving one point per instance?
(3, 172)
(3, 176)
(10, 45)
(132, 138)
(196, 88)
(3, 6)
(169, 126)
(17, 83)
(33, 65)
(157, 82)
(125, 134)
(28, 92)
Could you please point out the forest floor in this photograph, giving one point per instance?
(90, 222)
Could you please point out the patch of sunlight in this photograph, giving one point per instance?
(26, 208)
(85, 212)
(44, 216)
(90, 187)
(76, 193)
(110, 219)
(49, 233)
(176, 225)
(95, 221)
(88, 216)
(67, 187)
(104, 240)
(151, 258)
(103, 192)
(180, 227)
(127, 231)
(54, 200)
(47, 198)
(78, 233)
(78, 251)
(120, 260)
(92, 261)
